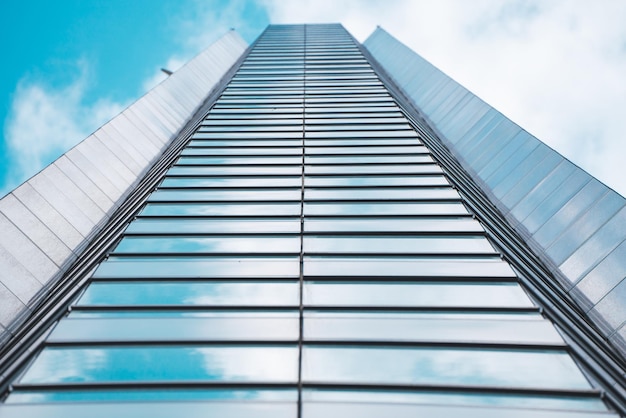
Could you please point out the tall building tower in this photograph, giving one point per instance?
(311, 227)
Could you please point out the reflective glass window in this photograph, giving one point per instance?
(446, 193)
(415, 294)
(164, 363)
(224, 195)
(442, 366)
(212, 226)
(458, 266)
(230, 182)
(185, 293)
(221, 209)
(364, 244)
(257, 327)
(208, 245)
(429, 327)
(384, 209)
(198, 267)
(408, 225)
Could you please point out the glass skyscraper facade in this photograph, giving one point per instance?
(307, 254)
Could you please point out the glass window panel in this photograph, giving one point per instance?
(395, 245)
(221, 209)
(418, 327)
(248, 135)
(224, 195)
(442, 366)
(366, 142)
(405, 193)
(230, 182)
(182, 312)
(330, 181)
(160, 328)
(201, 245)
(396, 121)
(249, 409)
(241, 151)
(313, 117)
(406, 410)
(534, 401)
(384, 209)
(212, 226)
(244, 170)
(414, 295)
(153, 395)
(364, 125)
(213, 267)
(406, 267)
(361, 134)
(376, 150)
(245, 143)
(392, 225)
(164, 363)
(251, 127)
(372, 169)
(238, 161)
(182, 293)
(362, 159)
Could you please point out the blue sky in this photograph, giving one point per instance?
(556, 67)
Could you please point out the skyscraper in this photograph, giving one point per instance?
(330, 230)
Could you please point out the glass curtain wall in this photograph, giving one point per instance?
(304, 256)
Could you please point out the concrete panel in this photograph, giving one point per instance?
(16, 278)
(16, 243)
(70, 190)
(34, 229)
(85, 184)
(10, 307)
(95, 174)
(104, 164)
(121, 153)
(146, 122)
(62, 204)
(53, 219)
(136, 148)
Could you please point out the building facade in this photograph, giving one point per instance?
(308, 240)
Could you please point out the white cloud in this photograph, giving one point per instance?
(555, 67)
(45, 121)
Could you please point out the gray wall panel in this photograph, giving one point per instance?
(16, 278)
(552, 203)
(10, 307)
(87, 186)
(44, 211)
(34, 229)
(16, 243)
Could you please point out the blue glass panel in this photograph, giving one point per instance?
(182, 293)
(418, 294)
(208, 267)
(254, 327)
(221, 209)
(420, 327)
(442, 366)
(478, 267)
(212, 226)
(154, 395)
(164, 363)
(456, 398)
(384, 209)
(364, 244)
(199, 245)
